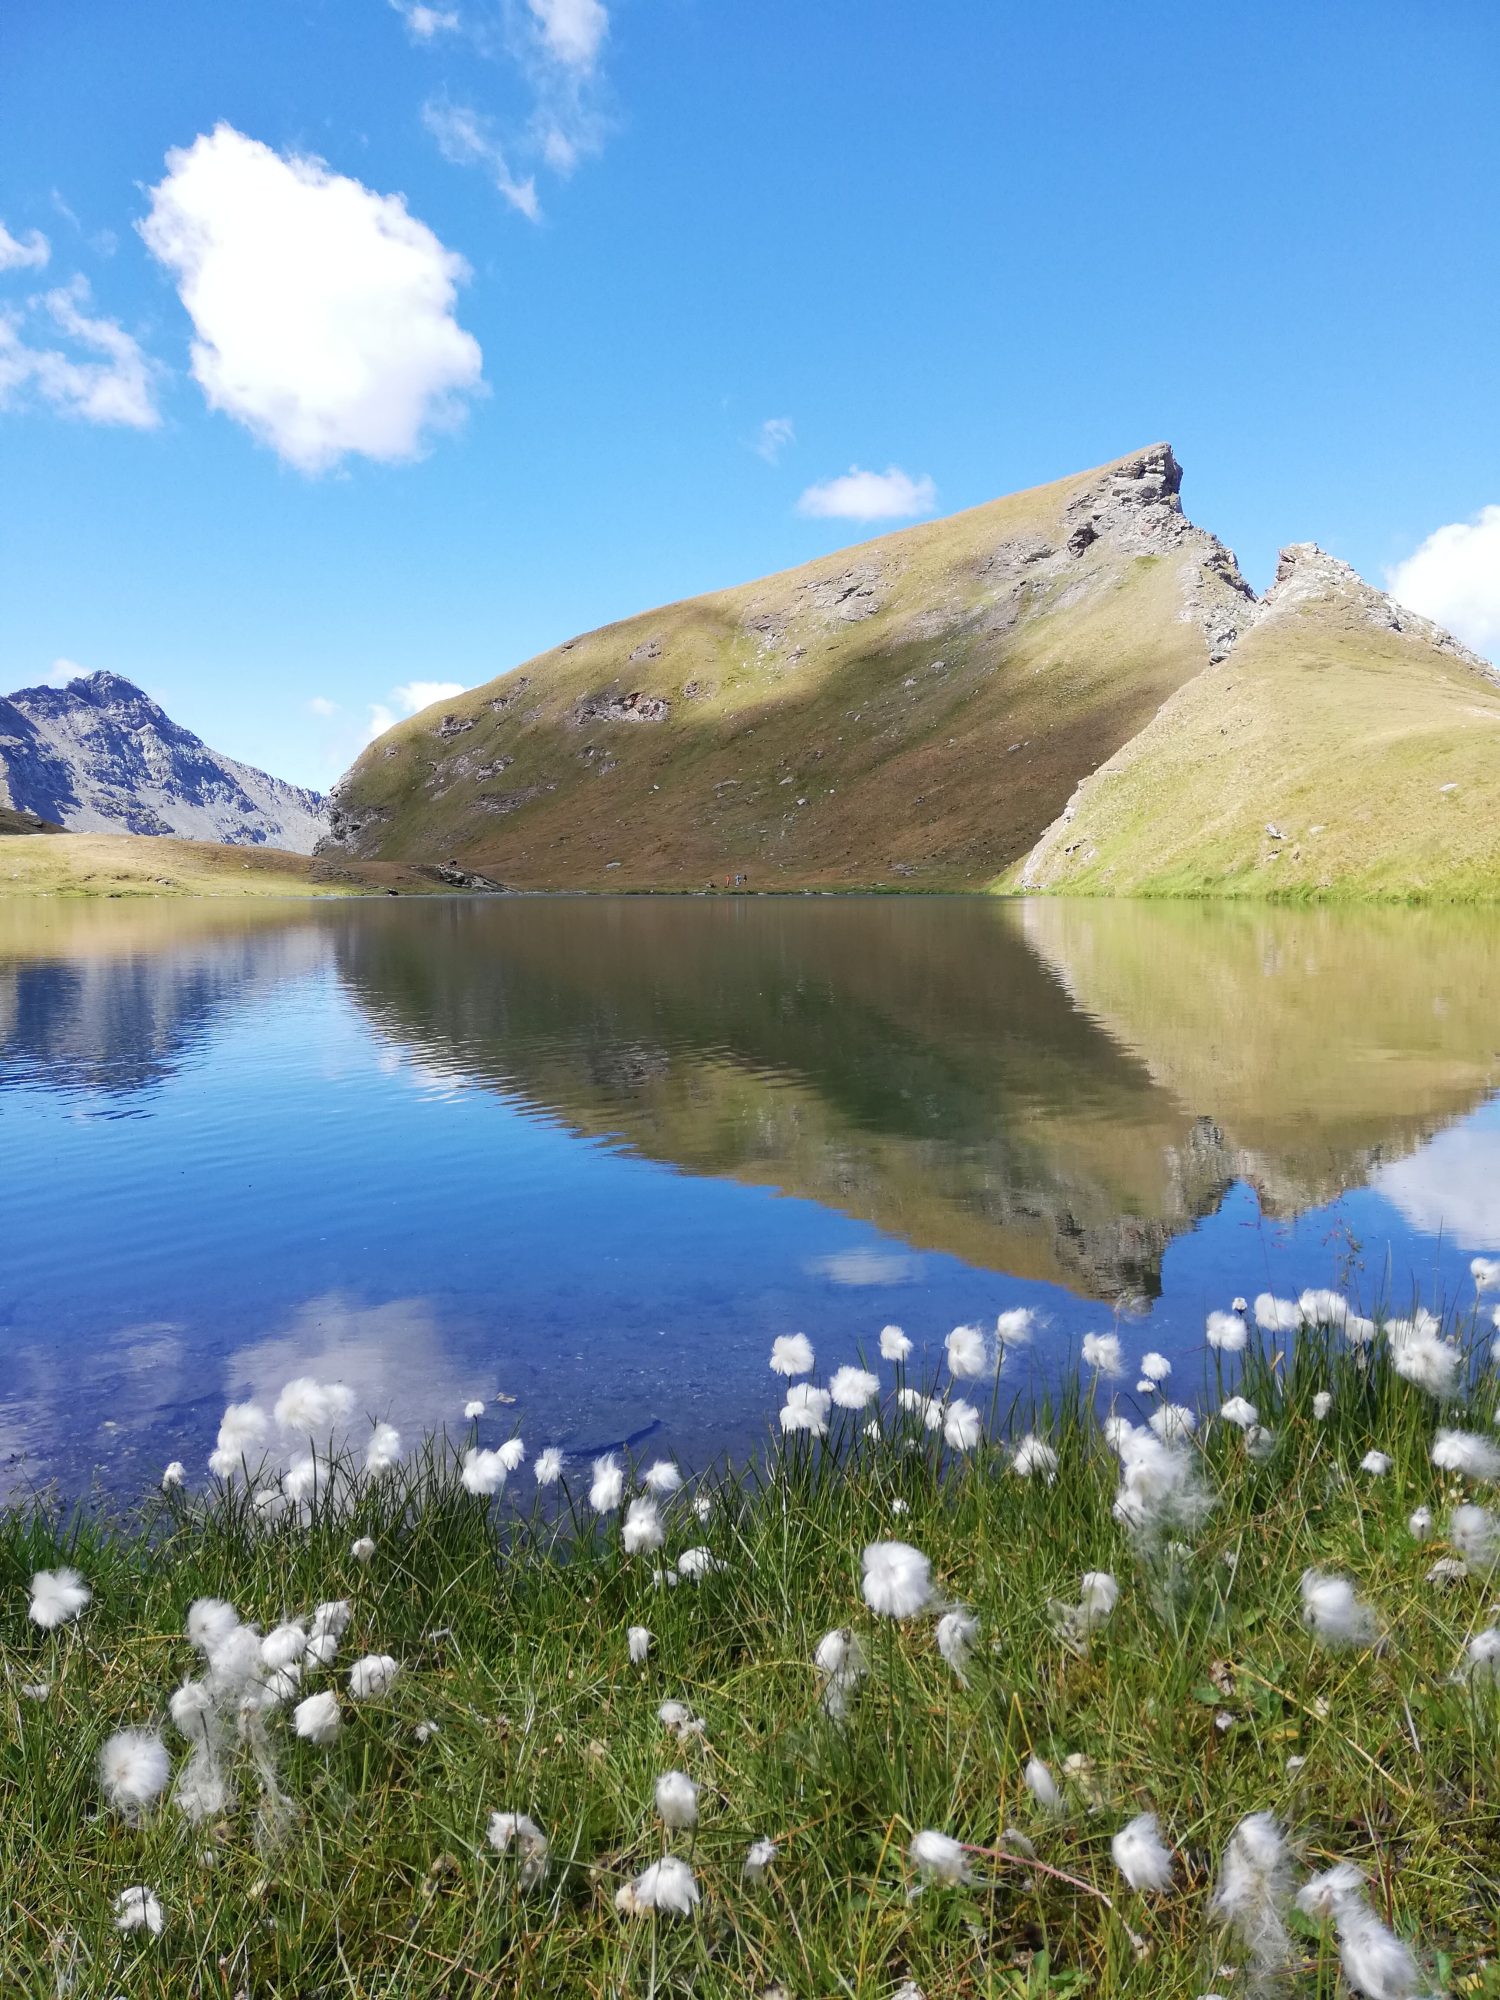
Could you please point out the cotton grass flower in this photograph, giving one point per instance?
(968, 1353)
(1419, 1523)
(383, 1452)
(668, 1885)
(1099, 1594)
(608, 1486)
(677, 1801)
(546, 1468)
(679, 1720)
(939, 1857)
(1103, 1354)
(57, 1597)
(1015, 1327)
(806, 1409)
(1421, 1356)
(1227, 1332)
(638, 1640)
(1376, 1463)
(520, 1831)
(1273, 1315)
(1034, 1458)
(1253, 1891)
(1334, 1613)
(373, 1675)
(957, 1631)
(1466, 1452)
(1375, 1961)
(897, 1580)
(1142, 1856)
(840, 1662)
(192, 1711)
(1485, 1272)
(894, 1345)
(306, 1407)
(134, 1769)
(317, 1720)
(643, 1528)
(210, 1620)
(697, 1563)
(758, 1858)
(1322, 1403)
(1042, 1786)
(663, 1477)
(1160, 1484)
(363, 1549)
(138, 1909)
(1155, 1367)
(512, 1454)
(283, 1644)
(853, 1388)
(791, 1354)
(482, 1472)
(241, 1429)
(1172, 1421)
(1483, 1654)
(474, 1408)
(1475, 1533)
(173, 1476)
(1236, 1410)
(961, 1428)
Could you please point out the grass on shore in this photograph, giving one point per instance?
(126, 864)
(1202, 1699)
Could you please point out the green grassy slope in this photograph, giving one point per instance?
(1343, 748)
(912, 711)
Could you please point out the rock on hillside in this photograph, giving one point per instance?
(916, 710)
(1345, 745)
(99, 756)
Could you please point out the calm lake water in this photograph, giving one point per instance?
(594, 1154)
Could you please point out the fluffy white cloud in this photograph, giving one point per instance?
(321, 706)
(571, 29)
(468, 141)
(23, 253)
(409, 699)
(424, 23)
(111, 382)
(62, 671)
(324, 311)
(414, 696)
(773, 437)
(892, 495)
(1454, 577)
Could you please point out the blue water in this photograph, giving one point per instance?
(594, 1156)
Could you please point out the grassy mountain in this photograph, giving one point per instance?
(1343, 747)
(915, 710)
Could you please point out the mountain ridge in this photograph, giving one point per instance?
(1022, 696)
(99, 756)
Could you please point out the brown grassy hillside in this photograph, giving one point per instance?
(1345, 747)
(912, 711)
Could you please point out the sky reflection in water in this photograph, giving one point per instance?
(594, 1155)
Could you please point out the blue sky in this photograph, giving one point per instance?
(981, 245)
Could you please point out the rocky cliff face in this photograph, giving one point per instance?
(99, 756)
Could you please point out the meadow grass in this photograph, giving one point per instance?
(1202, 1699)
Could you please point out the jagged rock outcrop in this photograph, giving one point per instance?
(99, 756)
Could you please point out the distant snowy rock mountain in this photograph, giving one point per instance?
(100, 757)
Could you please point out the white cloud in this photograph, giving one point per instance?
(1454, 577)
(414, 696)
(23, 253)
(423, 23)
(320, 705)
(324, 311)
(117, 388)
(775, 434)
(466, 139)
(409, 699)
(62, 671)
(571, 29)
(892, 495)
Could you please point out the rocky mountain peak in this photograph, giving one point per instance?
(1306, 573)
(100, 756)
